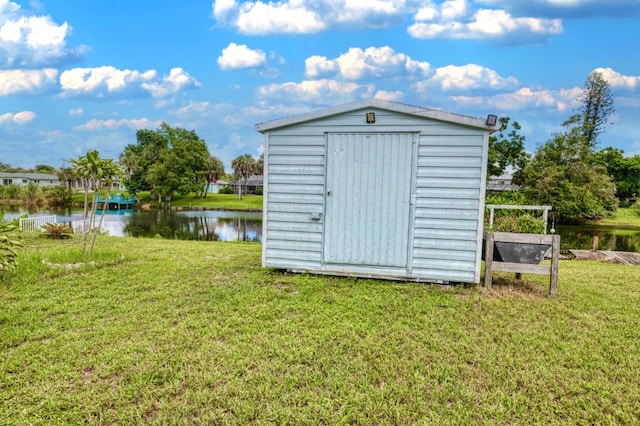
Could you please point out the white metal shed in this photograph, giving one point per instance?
(375, 189)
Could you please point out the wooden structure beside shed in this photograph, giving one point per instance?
(376, 189)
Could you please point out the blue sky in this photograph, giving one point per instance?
(78, 74)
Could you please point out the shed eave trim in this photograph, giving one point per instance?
(434, 114)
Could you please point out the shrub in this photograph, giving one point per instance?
(636, 207)
(10, 192)
(9, 242)
(259, 191)
(32, 193)
(57, 231)
(225, 190)
(58, 196)
(523, 223)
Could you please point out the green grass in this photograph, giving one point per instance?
(212, 201)
(177, 332)
(625, 217)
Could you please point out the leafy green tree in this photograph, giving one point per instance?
(44, 168)
(243, 167)
(166, 161)
(506, 148)
(625, 171)
(596, 107)
(564, 174)
(215, 170)
(58, 196)
(137, 159)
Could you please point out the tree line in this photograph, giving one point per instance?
(569, 171)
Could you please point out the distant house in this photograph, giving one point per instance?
(253, 182)
(502, 183)
(215, 187)
(23, 179)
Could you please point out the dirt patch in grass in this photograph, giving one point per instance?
(509, 286)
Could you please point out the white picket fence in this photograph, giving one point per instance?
(78, 225)
(32, 224)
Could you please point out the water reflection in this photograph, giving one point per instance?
(207, 225)
(196, 225)
(214, 225)
(581, 237)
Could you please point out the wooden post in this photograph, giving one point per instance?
(491, 213)
(488, 258)
(555, 258)
(596, 243)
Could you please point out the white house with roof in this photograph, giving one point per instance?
(23, 179)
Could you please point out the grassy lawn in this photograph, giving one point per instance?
(626, 217)
(179, 332)
(212, 201)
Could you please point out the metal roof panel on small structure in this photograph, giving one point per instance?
(434, 114)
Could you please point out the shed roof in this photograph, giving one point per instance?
(434, 114)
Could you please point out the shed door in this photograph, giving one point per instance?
(368, 198)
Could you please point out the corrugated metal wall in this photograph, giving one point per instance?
(442, 228)
(295, 192)
(368, 199)
(447, 202)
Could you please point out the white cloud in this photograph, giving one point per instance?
(466, 77)
(111, 124)
(26, 81)
(257, 18)
(569, 8)
(31, 41)
(373, 62)
(239, 56)
(455, 19)
(307, 16)
(317, 92)
(177, 81)
(556, 100)
(101, 79)
(194, 108)
(107, 80)
(617, 80)
(389, 96)
(76, 112)
(20, 118)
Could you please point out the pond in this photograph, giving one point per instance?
(204, 225)
(217, 225)
(609, 238)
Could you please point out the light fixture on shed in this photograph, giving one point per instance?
(371, 117)
(491, 120)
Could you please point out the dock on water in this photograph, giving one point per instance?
(116, 202)
(609, 256)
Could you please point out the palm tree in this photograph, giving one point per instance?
(94, 172)
(215, 170)
(243, 167)
(259, 167)
(65, 174)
